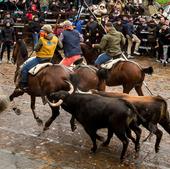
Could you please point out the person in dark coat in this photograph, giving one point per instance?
(8, 39)
(35, 29)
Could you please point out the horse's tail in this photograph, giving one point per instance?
(102, 73)
(148, 70)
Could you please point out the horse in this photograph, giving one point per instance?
(127, 73)
(49, 79)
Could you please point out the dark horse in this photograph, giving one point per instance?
(126, 73)
(49, 79)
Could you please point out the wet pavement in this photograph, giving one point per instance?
(21, 147)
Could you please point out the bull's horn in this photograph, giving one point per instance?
(71, 87)
(55, 104)
(81, 92)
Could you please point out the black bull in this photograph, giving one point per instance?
(153, 109)
(95, 112)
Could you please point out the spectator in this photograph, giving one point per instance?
(119, 6)
(92, 29)
(101, 10)
(9, 19)
(8, 39)
(164, 40)
(128, 29)
(65, 6)
(118, 25)
(35, 29)
(54, 6)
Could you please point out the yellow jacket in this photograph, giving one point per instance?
(47, 47)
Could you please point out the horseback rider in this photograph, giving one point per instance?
(44, 49)
(111, 45)
(70, 39)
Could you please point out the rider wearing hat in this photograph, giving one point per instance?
(44, 49)
(70, 39)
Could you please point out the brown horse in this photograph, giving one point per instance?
(49, 79)
(126, 73)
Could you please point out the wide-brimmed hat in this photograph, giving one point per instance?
(47, 28)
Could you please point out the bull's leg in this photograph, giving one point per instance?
(154, 129)
(122, 136)
(16, 93)
(139, 90)
(158, 134)
(138, 132)
(55, 113)
(129, 135)
(72, 123)
(92, 134)
(109, 136)
(38, 120)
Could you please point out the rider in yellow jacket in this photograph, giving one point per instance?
(44, 49)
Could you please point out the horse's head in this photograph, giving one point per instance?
(20, 53)
(89, 53)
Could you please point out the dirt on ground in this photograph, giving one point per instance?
(21, 147)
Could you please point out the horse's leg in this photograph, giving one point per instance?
(15, 93)
(127, 88)
(138, 89)
(38, 120)
(55, 113)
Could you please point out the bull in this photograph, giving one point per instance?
(95, 112)
(153, 109)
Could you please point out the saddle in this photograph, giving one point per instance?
(37, 68)
(110, 63)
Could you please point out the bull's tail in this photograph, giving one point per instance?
(165, 118)
(165, 123)
(148, 70)
(102, 73)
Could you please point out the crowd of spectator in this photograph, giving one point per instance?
(144, 34)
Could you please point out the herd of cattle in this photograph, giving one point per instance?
(119, 113)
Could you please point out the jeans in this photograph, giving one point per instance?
(30, 63)
(5, 45)
(165, 52)
(102, 58)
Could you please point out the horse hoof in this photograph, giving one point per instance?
(73, 128)
(157, 149)
(39, 122)
(93, 150)
(45, 128)
(17, 111)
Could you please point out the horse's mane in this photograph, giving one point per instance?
(23, 48)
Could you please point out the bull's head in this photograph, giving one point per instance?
(60, 95)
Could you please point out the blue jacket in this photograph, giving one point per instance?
(71, 43)
(128, 28)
